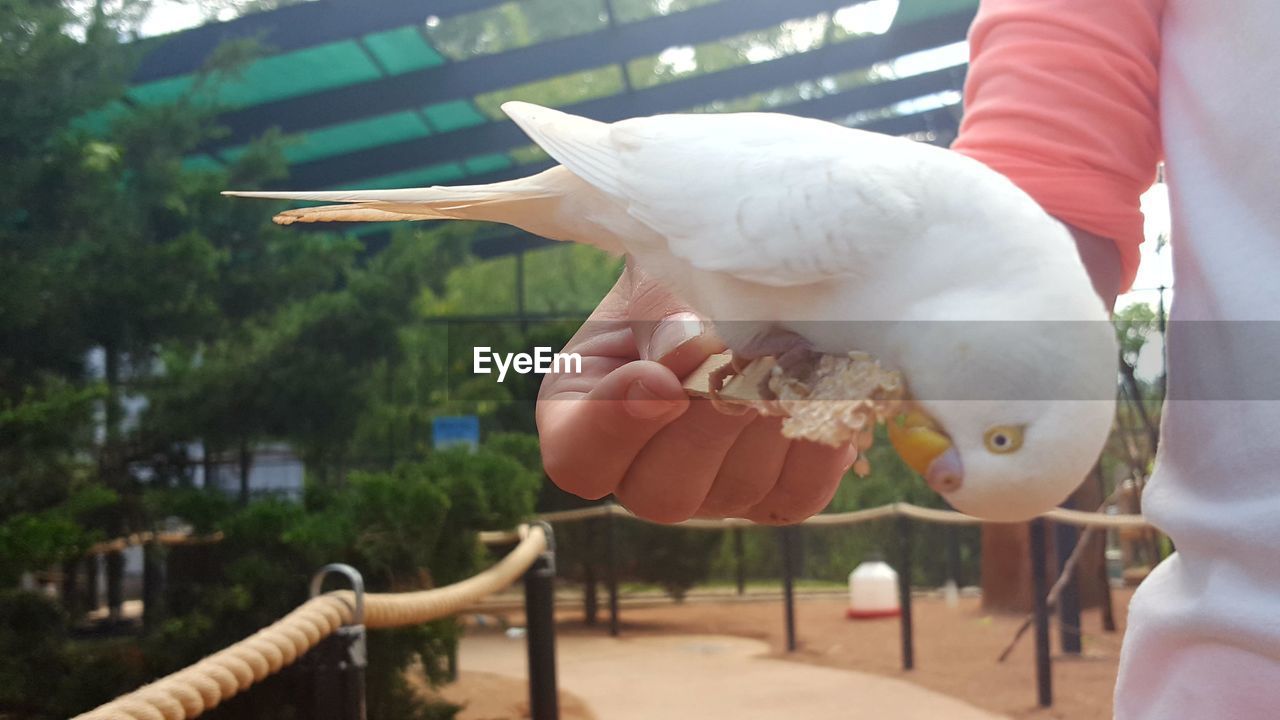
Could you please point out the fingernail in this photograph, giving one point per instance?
(674, 331)
(643, 404)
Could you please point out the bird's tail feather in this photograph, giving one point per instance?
(496, 202)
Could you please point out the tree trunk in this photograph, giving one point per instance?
(207, 466)
(1006, 568)
(246, 464)
(114, 474)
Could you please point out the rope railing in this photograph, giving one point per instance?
(1078, 518)
(178, 537)
(232, 670)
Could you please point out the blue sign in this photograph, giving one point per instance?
(458, 430)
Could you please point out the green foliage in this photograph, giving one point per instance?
(405, 529)
(31, 540)
(1134, 326)
(45, 674)
(675, 559)
(33, 635)
(514, 24)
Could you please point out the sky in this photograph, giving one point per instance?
(168, 16)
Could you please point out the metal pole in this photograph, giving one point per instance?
(115, 587)
(521, 313)
(337, 663)
(1039, 592)
(590, 602)
(904, 593)
(540, 622)
(92, 586)
(788, 584)
(71, 600)
(611, 551)
(953, 555)
(155, 570)
(1065, 539)
(739, 557)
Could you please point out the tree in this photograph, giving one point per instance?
(54, 176)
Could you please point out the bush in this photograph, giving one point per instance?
(405, 529)
(675, 559)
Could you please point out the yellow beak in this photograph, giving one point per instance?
(918, 440)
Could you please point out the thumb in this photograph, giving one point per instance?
(667, 330)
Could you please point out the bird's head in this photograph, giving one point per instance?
(1007, 419)
(1003, 461)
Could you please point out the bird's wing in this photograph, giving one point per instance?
(773, 199)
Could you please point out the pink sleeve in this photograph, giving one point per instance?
(1062, 97)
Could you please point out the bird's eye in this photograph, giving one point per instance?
(1003, 439)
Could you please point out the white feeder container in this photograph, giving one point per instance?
(873, 591)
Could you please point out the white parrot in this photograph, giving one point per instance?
(790, 233)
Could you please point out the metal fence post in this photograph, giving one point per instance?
(611, 551)
(71, 591)
(740, 561)
(337, 663)
(904, 593)
(788, 583)
(954, 571)
(540, 624)
(155, 572)
(115, 586)
(590, 601)
(1039, 592)
(1065, 539)
(92, 583)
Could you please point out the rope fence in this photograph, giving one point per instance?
(179, 537)
(903, 513)
(1079, 518)
(200, 687)
(232, 670)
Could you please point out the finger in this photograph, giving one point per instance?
(670, 478)
(589, 439)
(605, 343)
(665, 328)
(808, 481)
(749, 471)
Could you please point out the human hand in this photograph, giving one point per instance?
(625, 425)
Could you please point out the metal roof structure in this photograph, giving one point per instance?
(395, 93)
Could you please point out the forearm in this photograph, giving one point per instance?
(1062, 98)
(1101, 259)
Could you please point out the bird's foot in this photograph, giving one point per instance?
(796, 364)
(717, 380)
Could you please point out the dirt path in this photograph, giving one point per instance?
(956, 649)
(489, 696)
(710, 677)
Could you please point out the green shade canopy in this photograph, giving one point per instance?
(387, 93)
